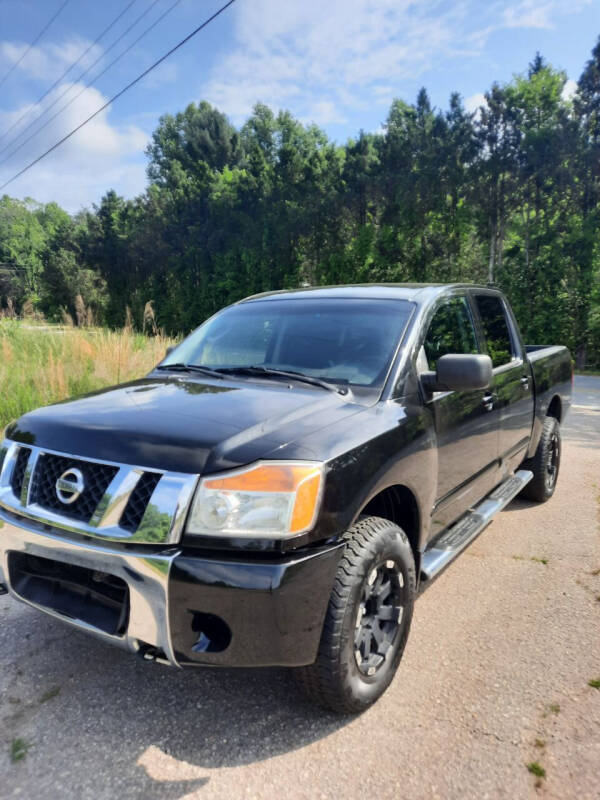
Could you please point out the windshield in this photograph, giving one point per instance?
(338, 340)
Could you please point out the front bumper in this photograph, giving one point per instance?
(182, 607)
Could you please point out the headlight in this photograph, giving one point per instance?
(268, 499)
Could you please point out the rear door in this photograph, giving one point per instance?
(466, 425)
(512, 385)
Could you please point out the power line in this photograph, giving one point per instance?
(65, 73)
(87, 86)
(122, 92)
(68, 89)
(33, 44)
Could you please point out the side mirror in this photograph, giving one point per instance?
(459, 373)
(169, 350)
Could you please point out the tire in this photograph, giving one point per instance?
(366, 626)
(545, 464)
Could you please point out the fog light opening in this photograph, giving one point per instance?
(214, 634)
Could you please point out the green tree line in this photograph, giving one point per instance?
(509, 194)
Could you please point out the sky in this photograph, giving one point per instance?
(336, 63)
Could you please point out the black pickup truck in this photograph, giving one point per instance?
(281, 487)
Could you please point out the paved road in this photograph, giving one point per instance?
(583, 425)
(495, 675)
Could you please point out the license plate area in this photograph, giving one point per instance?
(78, 593)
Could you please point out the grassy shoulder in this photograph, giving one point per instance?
(44, 364)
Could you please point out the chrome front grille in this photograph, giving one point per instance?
(18, 475)
(135, 509)
(117, 501)
(49, 468)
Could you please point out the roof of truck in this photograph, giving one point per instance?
(419, 292)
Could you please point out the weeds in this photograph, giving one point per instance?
(18, 750)
(536, 769)
(43, 365)
(594, 683)
(50, 694)
(533, 558)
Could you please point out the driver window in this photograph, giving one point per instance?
(451, 331)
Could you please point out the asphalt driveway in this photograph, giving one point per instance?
(495, 676)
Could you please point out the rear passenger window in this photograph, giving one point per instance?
(450, 331)
(495, 328)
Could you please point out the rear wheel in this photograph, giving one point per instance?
(368, 619)
(545, 464)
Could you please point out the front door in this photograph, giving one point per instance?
(466, 423)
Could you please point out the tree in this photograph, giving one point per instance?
(510, 194)
(22, 243)
(198, 140)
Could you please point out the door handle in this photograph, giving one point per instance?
(488, 401)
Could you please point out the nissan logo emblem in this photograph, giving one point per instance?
(69, 486)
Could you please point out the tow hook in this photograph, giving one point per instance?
(155, 654)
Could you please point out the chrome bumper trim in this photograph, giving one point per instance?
(146, 575)
(162, 522)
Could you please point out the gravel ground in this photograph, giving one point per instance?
(495, 676)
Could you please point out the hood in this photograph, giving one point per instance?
(183, 424)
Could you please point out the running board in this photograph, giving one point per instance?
(451, 543)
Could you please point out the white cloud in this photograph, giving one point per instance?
(569, 89)
(538, 13)
(75, 188)
(297, 54)
(324, 112)
(49, 61)
(326, 60)
(98, 157)
(529, 14)
(474, 102)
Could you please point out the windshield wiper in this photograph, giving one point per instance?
(191, 368)
(282, 373)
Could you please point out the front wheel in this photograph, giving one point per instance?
(544, 464)
(367, 621)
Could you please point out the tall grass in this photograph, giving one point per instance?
(41, 365)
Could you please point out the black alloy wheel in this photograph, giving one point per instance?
(545, 464)
(367, 621)
(379, 616)
(552, 460)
